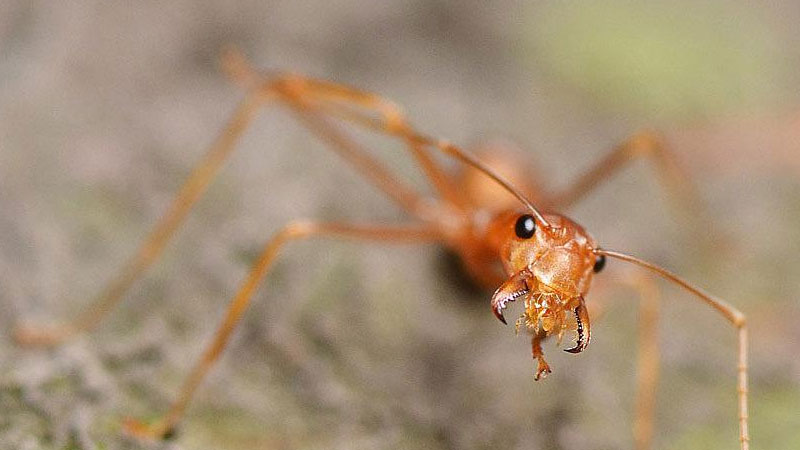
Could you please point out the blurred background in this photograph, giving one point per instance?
(106, 105)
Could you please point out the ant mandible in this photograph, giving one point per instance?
(543, 258)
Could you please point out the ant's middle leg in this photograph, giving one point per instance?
(191, 191)
(647, 365)
(294, 231)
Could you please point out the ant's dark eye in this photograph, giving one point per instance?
(599, 263)
(525, 227)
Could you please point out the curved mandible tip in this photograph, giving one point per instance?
(584, 328)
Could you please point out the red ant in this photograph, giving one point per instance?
(542, 258)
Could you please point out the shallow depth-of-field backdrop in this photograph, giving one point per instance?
(105, 106)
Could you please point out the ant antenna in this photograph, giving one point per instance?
(472, 161)
(239, 69)
(723, 307)
(729, 312)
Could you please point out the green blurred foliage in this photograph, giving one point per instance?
(668, 60)
(769, 414)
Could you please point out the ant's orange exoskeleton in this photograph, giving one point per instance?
(536, 256)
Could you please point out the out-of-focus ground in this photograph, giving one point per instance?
(104, 107)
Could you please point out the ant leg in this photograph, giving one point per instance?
(393, 120)
(733, 315)
(293, 231)
(647, 370)
(292, 90)
(644, 144)
(342, 101)
(193, 189)
(149, 251)
(355, 154)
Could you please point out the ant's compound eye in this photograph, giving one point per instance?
(525, 227)
(599, 263)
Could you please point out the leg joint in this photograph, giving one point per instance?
(645, 143)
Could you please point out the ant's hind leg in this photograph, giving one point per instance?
(149, 251)
(644, 144)
(294, 231)
(736, 318)
(647, 370)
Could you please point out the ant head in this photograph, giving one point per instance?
(560, 256)
(551, 266)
